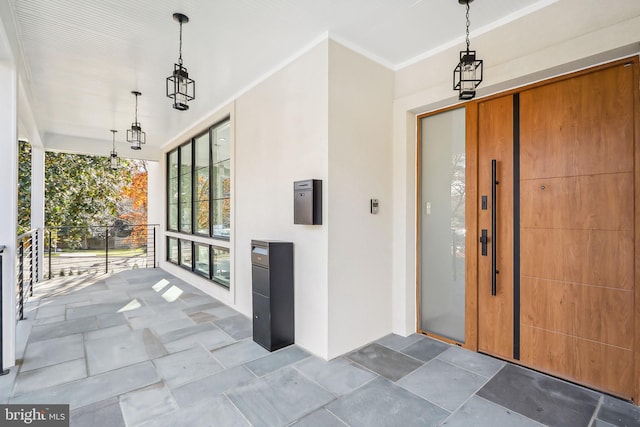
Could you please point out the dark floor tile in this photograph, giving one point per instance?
(426, 349)
(105, 413)
(382, 403)
(618, 412)
(384, 361)
(547, 400)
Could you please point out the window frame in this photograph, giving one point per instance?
(194, 184)
(209, 259)
(168, 191)
(212, 250)
(193, 238)
(177, 261)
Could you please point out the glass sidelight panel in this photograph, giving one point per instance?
(442, 224)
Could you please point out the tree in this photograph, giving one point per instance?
(24, 187)
(133, 206)
(82, 191)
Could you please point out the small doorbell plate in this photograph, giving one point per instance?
(374, 206)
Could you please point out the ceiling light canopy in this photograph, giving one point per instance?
(468, 73)
(180, 87)
(135, 136)
(114, 161)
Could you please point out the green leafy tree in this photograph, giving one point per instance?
(82, 191)
(24, 187)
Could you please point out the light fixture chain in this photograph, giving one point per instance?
(468, 26)
(180, 56)
(136, 108)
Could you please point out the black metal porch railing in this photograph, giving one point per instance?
(27, 268)
(73, 251)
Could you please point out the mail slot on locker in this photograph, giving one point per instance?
(307, 202)
(259, 255)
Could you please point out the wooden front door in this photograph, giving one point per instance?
(559, 220)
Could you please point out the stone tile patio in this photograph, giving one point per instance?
(143, 348)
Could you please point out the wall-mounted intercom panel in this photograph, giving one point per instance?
(374, 206)
(307, 202)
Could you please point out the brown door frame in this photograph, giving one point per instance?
(472, 211)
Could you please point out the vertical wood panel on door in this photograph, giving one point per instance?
(495, 142)
(577, 228)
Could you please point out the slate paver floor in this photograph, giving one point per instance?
(144, 348)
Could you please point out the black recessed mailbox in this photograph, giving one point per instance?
(307, 202)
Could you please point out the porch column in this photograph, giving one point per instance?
(156, 210)
(9, 211)
(37, 202)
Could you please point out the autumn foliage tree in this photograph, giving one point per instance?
(83, 195)
(133, 207)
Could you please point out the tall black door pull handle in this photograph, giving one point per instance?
(494, 191)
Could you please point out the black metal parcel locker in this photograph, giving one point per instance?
(272, 281)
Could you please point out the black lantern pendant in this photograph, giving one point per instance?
(468, 73)
(114, 161)
(180, 87)
(135, 136)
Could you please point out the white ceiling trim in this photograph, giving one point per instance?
(477, 32)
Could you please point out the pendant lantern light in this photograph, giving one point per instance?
(180, 87)
(114, 161)
(468, 73)
(135, 136)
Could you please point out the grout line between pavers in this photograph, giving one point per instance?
(596, 410)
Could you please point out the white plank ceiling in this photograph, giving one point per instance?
(82, 58)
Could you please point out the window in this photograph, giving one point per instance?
(185, 188)
(185, 254)
(221, 268)
(202, 259)
(172, 191)
(221, 203)
(172, 250)
(199, 203)
(201, 184)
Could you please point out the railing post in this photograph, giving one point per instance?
(2, 370)
(32, 238)
(106, 249)
(154, 246)
(49, 254)
(21, 280)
